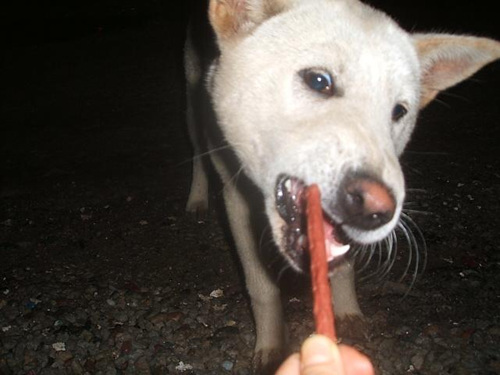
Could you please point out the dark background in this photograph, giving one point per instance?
(39, 39)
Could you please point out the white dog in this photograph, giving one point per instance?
(310, 91)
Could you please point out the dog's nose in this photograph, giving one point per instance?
(365, 202)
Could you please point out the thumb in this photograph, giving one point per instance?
(320, 356)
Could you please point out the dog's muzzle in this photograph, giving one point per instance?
(290, 204)
(362, 203)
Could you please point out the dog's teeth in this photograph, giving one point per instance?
(302, 241)
(336, 251)
(288, 185)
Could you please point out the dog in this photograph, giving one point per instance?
(285, 93)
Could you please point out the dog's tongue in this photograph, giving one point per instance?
(333, 247)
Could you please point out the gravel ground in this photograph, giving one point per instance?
(101, 272)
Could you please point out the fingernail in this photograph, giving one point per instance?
(317, 349)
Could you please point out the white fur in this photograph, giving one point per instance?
(275, 124)
(374, 63)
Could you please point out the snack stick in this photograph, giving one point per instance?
(322, 308)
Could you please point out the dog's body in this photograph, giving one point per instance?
(310, 91)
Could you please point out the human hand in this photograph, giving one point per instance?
(321, 356)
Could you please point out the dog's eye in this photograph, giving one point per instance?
(319, 81)
(398, 112)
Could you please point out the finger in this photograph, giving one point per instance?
(291, 366)
(355, 363)
(320, 356)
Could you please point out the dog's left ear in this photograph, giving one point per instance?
(233, 18)
(445, 60)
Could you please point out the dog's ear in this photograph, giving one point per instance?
(232, 18)
(446, 60)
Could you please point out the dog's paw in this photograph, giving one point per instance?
(355, 327)
(267, 361)
(197, 209)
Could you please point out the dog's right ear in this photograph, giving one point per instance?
(234, 18)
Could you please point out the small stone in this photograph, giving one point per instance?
(418, 361)
(121, 363)
(217, 293)
(166, 317)
(432, 330)
(76, 368)
(183, 367)
(121, 316)
(227, 365)
(59, 346)
(64, 356)
(86, 335)
(6, 328)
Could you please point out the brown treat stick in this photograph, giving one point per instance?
(323, 310)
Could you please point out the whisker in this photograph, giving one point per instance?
(452, 94)
(266, 241)
(233, 179)
(442, 102)
(266, 229)
(415, 190)
(383, 255)
(372, 249)
(392, 253)
(421, 251)
(364, 250)
(425, 153)
(404, 230)
(286, 267)
(202, 155)
(419, 212)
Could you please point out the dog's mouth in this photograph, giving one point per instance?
(290, 204)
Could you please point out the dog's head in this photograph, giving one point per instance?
(327, 92)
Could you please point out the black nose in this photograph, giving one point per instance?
(365, 202)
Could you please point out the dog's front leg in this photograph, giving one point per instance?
(347, 309)
(263, 291)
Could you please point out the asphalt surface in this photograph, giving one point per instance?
(95, 249)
